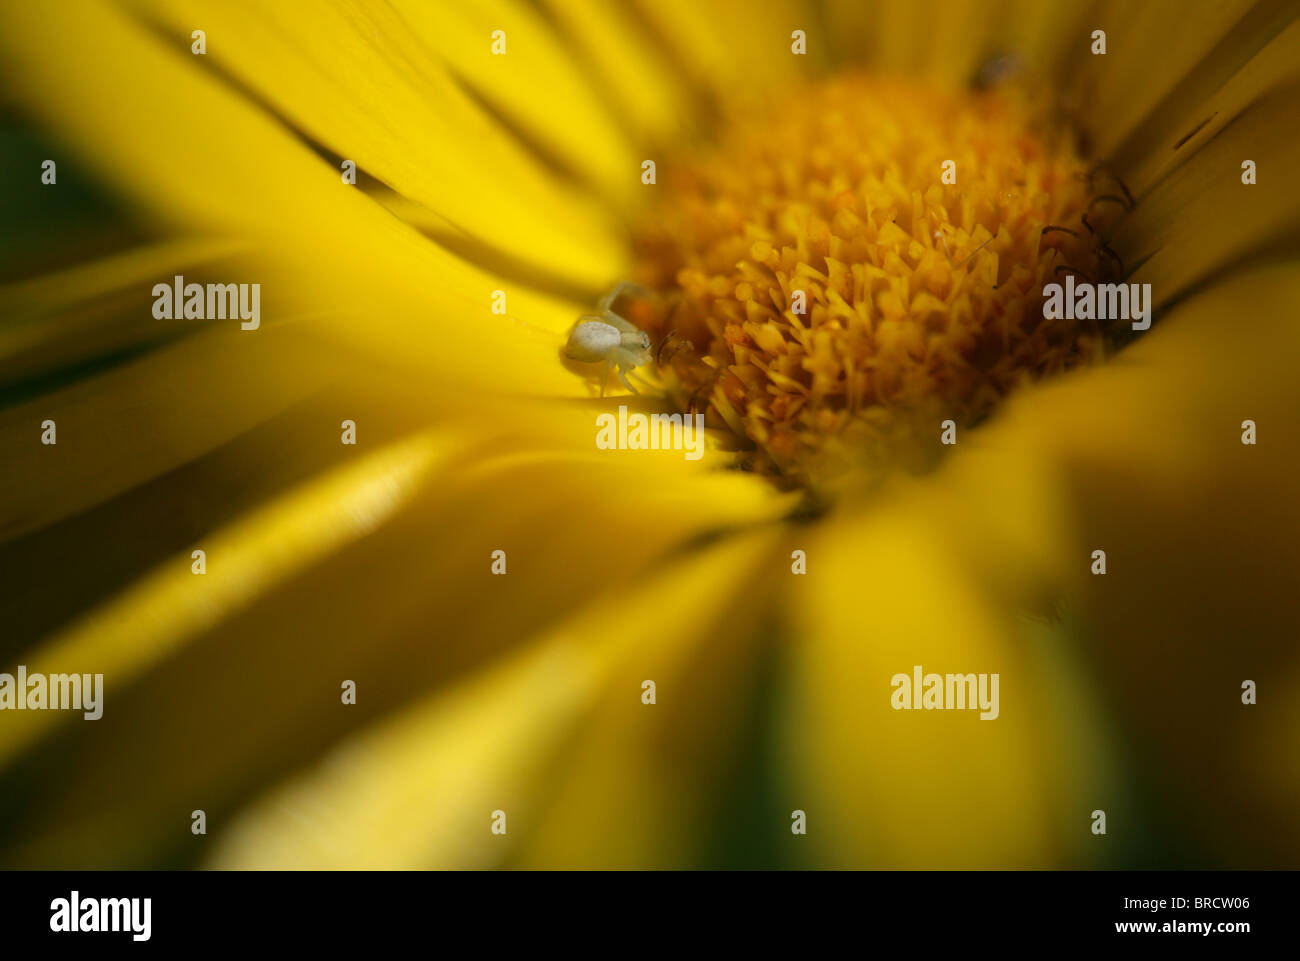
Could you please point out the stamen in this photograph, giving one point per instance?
(841, 298)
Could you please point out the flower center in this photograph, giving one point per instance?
(859, 264)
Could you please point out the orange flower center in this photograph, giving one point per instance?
(838, 276)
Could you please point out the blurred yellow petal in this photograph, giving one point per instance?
(945, 40)
(54, 580)
(956, 38)
(1201, 218)
(362, 83)
(420, 790)
(167, 607)
(949, 40)
(576, 531)
(1256, 58)
(122, 427)
(1201, 534)
(637, 784)
(1045, 37)
(342, 260)
(730, 50)
(646, 96)
(95, 309)
(886, 788)
(1117, 91)
(1143, 459)
(535, 85)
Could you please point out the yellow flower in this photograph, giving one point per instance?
(518, 700)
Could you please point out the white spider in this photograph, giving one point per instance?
(609, 339)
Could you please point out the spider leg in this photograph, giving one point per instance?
(692, 406)
(614, 320)
(659, 354)
(1107, 198)
(1128, 200)
(1091, 176)
(1082, 273)
(607, 301)
(1105, 249)
(623, 377)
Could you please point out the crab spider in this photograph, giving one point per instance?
(609, 339)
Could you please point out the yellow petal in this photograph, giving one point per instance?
(648, 98)
(730, 50)
(358, 81)
(54, 579)
(94, 309)
(1258, 57)
(536, 85)
(949, 40)
(1142, 458)
(1201, 218)
(893, 788)
(638, 784)
(420, 790)
(409, 609)
(1151, 48)
(1200, 532)
(117, 429)
(143, 625)
(1045, 37)
(341, 259)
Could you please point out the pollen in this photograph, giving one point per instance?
(848, 268)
